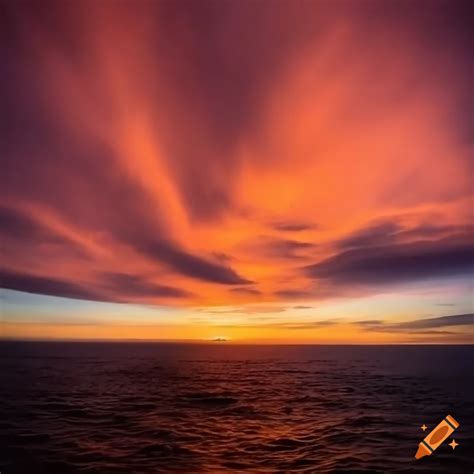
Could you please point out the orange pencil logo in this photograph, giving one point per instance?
(436, 437)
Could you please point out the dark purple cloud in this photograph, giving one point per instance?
(137, 286)
(396, 263)
(440, 322)
(109, 287)
(16, 225)
(18, 229)
(374, 234)
(48, 286)
(386, 231)
(190, 265)
(420, 325)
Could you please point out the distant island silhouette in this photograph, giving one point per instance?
(219, 339)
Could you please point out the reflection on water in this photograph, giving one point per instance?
(143, 408)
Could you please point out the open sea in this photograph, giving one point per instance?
(156, 407)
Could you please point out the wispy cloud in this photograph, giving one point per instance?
(293, 226)
(382, 263)
(428, 325)
(246, 291)
(279, 325)
(48, 286)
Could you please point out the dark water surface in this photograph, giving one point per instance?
(145, 408)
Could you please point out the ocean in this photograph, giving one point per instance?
(158, 407)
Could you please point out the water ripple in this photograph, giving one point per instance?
(197, 410)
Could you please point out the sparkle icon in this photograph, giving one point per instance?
(424, 427)
(453, 444)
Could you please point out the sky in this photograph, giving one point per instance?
(283, 171)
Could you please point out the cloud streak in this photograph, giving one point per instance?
(425, 326)
(47, 286)
(404, 262)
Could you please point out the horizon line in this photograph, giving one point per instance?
(228, 342)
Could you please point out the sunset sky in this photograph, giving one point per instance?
(291, 171)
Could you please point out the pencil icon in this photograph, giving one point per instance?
(436, 437)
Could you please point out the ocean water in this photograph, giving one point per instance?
(148, 408)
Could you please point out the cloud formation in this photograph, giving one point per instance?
(221, 153)
(293, 226)
(426, 325)
(47, 286)
(440, 322)
(399, 262)
(452, 328)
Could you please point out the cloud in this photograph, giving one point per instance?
(134, 285)
(424, 230)
(17, 226)
(432, 327)
(48, 286)
(427, 325)
(307, 324)
(246, 291)
(292, 326)
(293, 226)
(222, 257)
(370, 323)
(385, 264)
(188, 154)
(294, 294)
(384, 231)
(246, 309)
(440, 322)
(108, 287)
(276, 248)
(374, 234)
(190, 265)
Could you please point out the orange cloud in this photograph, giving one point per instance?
(174, 158)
